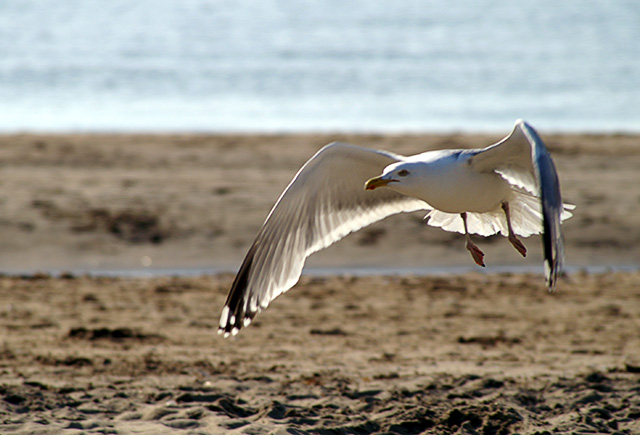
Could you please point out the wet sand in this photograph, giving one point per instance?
(486, 353)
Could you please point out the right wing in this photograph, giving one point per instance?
(523, 160)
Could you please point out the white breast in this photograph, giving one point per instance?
(449, 184)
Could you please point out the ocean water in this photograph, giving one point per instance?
(302, 65)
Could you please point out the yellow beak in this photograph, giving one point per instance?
(376, 182)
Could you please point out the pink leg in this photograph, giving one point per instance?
(476, 253)
(512, 236)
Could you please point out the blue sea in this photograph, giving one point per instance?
(325, 65)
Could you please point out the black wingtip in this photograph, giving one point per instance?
(547, 248)
(234, 313)
(553, 247)
(552, 206)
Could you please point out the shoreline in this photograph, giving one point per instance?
(320, 272)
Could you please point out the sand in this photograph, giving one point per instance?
(437, 347)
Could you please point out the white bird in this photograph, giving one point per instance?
(510, 187)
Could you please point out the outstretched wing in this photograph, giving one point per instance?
(524, 161)
(324, 202)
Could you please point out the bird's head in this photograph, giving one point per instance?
(398, 174)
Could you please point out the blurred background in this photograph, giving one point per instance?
(283, 65)
(413, 76)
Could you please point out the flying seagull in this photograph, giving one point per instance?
(510, 187)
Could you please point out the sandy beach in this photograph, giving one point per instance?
(419, 350)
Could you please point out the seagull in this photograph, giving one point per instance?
(510, 187)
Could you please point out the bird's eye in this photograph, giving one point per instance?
(403, 173)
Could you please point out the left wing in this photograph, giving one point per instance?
(324, 202)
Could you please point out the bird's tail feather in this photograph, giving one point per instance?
(524, 208)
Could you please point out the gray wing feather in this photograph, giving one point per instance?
(523, 159)
(324, 202)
